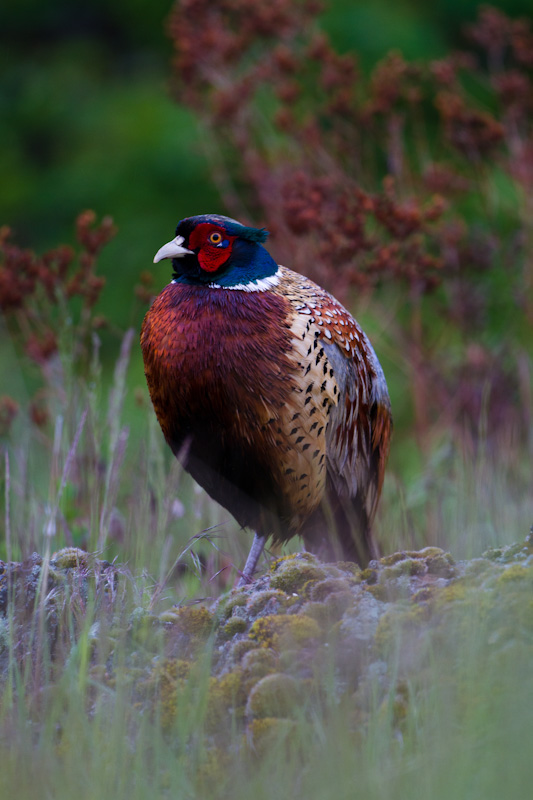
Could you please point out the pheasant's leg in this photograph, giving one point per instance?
(251, 562)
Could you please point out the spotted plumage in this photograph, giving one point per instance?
(268, 391)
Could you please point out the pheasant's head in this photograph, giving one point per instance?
(221, 253)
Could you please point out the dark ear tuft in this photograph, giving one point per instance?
(258, 235)
(254, 234)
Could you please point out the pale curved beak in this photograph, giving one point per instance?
(173, 249)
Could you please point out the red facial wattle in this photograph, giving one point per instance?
(211, 258)
(213, 244)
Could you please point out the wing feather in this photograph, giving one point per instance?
(358, 427)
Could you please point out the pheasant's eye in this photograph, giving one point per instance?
(215, 237)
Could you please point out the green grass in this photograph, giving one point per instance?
(104, 480)
(458, 728)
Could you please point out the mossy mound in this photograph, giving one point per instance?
(334, 622)
(266, 657)
(44, 602)
(276, 695)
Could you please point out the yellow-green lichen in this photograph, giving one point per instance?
(425, 595)
(259, 660)
(233, 626)
(455, 592)
(441, 565)
(224, 607)
(309, 557)
(195, 621)
(493, 553)
(226, 700)
(393, 558)
(380, 591)
(408, 555)
(277, 695)
(405, 566)
(395, 623)
(516, 572)
(167, 680)
(170, 615)
(278, 632)
(509, 552)
(322, 589)
(71, 558)
(292, 574)
(428, 552)
(269, 596)
(240, 648)
(369, 575)
(258, 663)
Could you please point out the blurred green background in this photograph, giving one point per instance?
(87, 119)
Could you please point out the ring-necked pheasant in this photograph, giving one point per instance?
(267, 391)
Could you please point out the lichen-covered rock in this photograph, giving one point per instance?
(277, 695)
(228, 605)
(266, 655)
(258, 663)
(296, 573)
(52, 595)
(234, 625)
(280, 631)
(226, 700)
